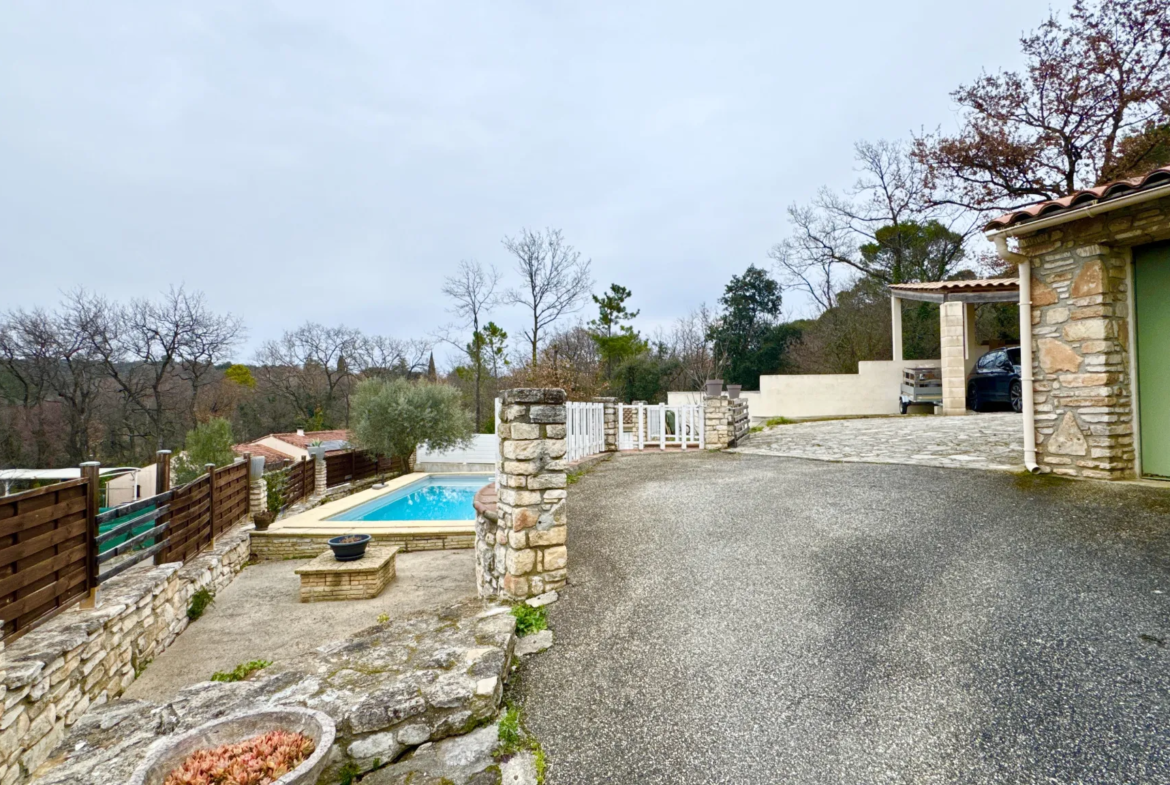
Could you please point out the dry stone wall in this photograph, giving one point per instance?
(1081, 333)
(726, 421)
(522, 552)
(85, 657)
(611, 423)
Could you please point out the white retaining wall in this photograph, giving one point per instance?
(872, 390)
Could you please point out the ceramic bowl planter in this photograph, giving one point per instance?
(349, 547)
(263, 520)
(714, 388)
(169, 752)
(733, 390)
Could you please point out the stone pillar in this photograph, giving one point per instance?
(959, 353)
(523, 552)
(320, 475)
(257, 488)
(611, 423)
(717, 425)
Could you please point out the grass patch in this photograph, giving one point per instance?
(529, 619)
(383, 618)
(348, 773)
(515, 737)
(772, 422)
(241, 671)
(200, 602)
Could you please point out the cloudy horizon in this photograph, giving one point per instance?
(298, 162)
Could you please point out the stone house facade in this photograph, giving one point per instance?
(1085, 366)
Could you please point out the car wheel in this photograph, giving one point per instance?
(973, 402)
(1017, 397)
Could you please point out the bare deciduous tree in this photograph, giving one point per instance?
(688, 341)
(147, 345)
(474, 291)
(885, 229)
(311, 366)
(388, 358)
(554, 280)
(1091, 104)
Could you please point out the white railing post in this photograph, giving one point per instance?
(662, 426)
(641, 429)
(681, 418)
(621, 425)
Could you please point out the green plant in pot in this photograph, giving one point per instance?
(274, 494)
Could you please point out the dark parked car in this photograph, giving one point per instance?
(996, 379)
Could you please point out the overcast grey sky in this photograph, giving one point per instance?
(335, 160)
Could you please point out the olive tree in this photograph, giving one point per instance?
(394, 416)
(208, 442)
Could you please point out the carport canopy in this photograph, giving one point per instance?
(957, 301)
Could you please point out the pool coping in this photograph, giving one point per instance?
(314, 521)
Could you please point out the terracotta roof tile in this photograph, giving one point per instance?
(1100, 193)
(271, 456)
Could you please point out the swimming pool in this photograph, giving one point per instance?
(435, 498)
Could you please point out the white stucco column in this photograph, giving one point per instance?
(896, 326)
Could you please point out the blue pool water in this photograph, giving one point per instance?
(436, 498)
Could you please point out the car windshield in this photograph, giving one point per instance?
(1014, 355)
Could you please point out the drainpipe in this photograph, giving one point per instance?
(1026, 379)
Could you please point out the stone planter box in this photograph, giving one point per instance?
(168, 753)
(325, 578)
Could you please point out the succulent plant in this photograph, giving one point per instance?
(256, 761)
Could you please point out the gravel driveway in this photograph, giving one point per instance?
(753, 619)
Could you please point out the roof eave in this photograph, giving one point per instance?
(1077, 213)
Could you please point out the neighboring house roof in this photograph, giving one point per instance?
(1101, 193)
(305, 439)
(333, 441)
(270, 455)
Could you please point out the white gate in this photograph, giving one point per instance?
(584, 430)
(660, 425)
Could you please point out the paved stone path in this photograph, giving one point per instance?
(984, 441)
(750, 620)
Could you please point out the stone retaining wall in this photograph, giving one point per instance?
(277, 545)
(85, 657)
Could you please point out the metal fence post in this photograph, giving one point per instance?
(90, 471)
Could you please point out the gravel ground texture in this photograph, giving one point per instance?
(755, 619)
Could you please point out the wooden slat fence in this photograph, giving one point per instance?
(298, 481)
(44, 552)
(354, 465)
(55, 547)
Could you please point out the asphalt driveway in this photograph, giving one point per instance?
(755, 619)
